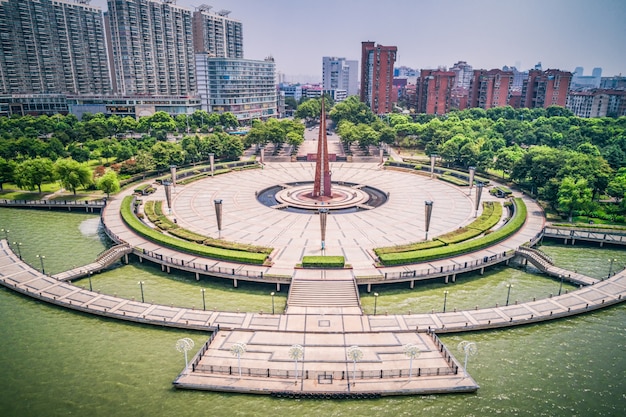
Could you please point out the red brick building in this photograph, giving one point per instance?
(490, 89)
(546, 88)
(434, 91)
(377, 76)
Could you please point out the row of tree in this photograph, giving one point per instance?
(565, 160)
(33, 173)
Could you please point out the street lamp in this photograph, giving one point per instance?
(238, 349)
(19, 251)
(6, 233)
(611, 267)
(296, 352)
(412, 352)
(141, 286)
(212, 163)
(272, 294)
(203, 299)
(470, 349)
(432, 164)
(375, 301)
(168, 194)
(508, 294)
(560, 285)
(355, 354)
(472, 171)
(184, 345)
(445, 300)
(323, 219)
(41, 258)
(218, 215)
(479, 191)
(89, 277)
(428, 208)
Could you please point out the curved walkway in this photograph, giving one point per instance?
(324, 331)
(292, 235)
(325, 334)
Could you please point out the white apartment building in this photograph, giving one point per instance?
(243, 87)
(340, 74)
(52, 47)
(152, 46)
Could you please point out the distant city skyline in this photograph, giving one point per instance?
(562, 34)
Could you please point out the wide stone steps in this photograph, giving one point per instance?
(321, 293)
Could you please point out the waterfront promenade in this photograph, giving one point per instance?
(323, 312)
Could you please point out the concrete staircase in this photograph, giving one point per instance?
(323, 293)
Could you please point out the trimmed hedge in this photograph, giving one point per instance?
(209, 251)
(502, 190)
(154, 211)
(323, 261)
(410, 247)
(491, 215)
(512, 226)
(453, 180)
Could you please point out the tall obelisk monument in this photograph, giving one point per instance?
(322, 185)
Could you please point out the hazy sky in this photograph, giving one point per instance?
(488, 34)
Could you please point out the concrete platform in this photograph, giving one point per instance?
(325, 367)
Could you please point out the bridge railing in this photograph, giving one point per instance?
(46, 203)
(443, 270)
(328, 376)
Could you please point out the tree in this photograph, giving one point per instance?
(507, 157)
(347, 133)
(294, 140)
(353, 110)
(231, 145)
(617, 186)
(72, 174)
(573, 195)
(6, 171)
(309, 110)
(109, 183)
(166, 154)
(228, 120)
(387, 135)
(366, 136)
(34, 172)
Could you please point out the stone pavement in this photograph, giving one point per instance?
(293, 235)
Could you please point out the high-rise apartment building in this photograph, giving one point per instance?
(490, 89)
(546, 88)
(216, 33)
(52, 46)
(243, 87)
(584, 82)
(434, 91)
(463, 74)
(152, 47)
(597, 103)
(340, 74)
(377, 76)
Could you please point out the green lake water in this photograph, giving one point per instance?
(55, 362)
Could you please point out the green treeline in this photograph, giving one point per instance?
(97, 146)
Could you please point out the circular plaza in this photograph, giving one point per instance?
(353, 234)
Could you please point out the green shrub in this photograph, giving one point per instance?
(512, 226)
(491, 215)
(323, 261)
(210, 252)
(411, 246)
(164, 223)
(453, 180)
